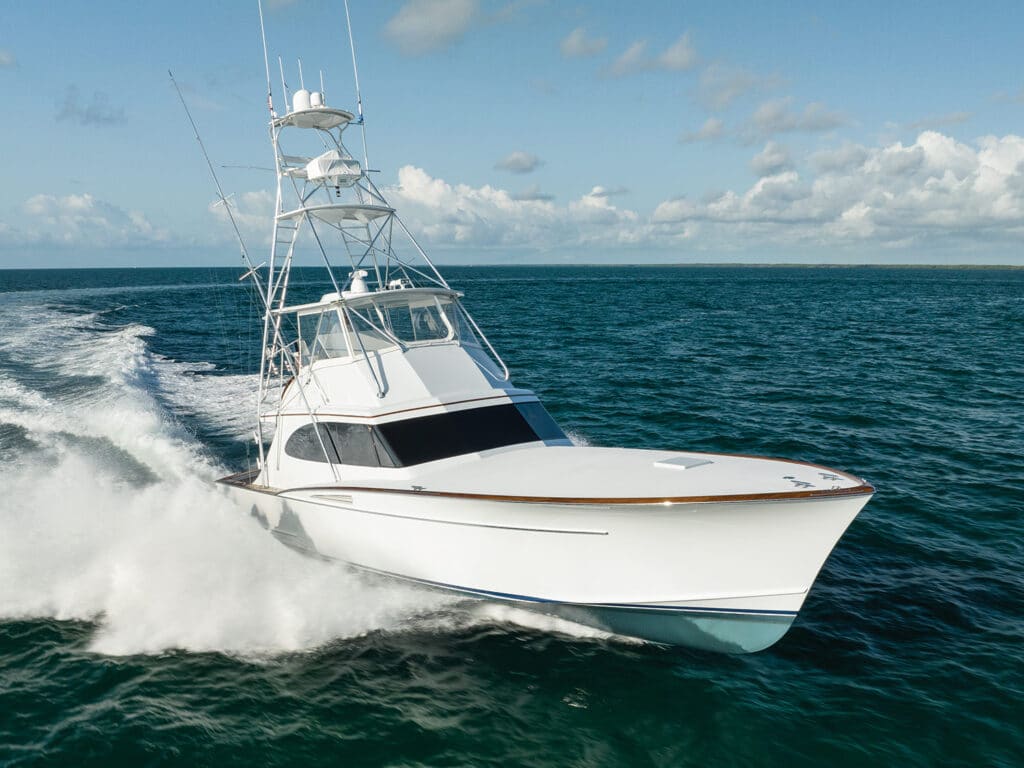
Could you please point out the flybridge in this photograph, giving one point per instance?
(385, 294)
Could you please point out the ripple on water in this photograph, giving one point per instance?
(177, 636)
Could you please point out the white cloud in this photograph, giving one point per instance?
(458, 214)
(600, 191)
(83, 221)
(720, 85)
(520, 162)
(97, 111)
(771, 160)
(7, 59)
(846, 156)
(712, 129)
(939, 121)
(630, 61)
(777, 116)
(252, 211)
(679, 56)
(576, 44)
(532, 193)
(934, 188)
(422, 26)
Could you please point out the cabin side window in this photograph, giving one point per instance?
(425, 438)
(355, 444)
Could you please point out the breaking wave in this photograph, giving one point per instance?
(109, 514)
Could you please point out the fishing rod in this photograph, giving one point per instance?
(287, 355)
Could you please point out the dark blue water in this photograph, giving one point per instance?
(144, 620)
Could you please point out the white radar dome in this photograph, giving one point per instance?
(357, 285)
(300, 100)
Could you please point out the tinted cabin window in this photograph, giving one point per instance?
(444, 435)
(541, 421)
(427, 438)
(356, 444)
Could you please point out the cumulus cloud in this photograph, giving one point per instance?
(939, 121)
(679, 56)
(576, 44)
(84, 221)
(600, 191)
(720, 85)
(253, 211)
(894, 194)
(533, 193)
(848, 155)
(487, 216)
(7, 59)
(778, 116)
(519, 162)
(423, 26)
(632, 60)
(97, 111)
(712, 129)
(773, 159)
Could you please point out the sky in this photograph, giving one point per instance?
(525, 131)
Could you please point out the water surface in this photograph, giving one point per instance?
(145, 620)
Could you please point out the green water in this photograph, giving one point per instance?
(143, 622)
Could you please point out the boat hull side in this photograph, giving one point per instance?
(726, 577)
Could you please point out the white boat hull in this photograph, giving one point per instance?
(727, 576)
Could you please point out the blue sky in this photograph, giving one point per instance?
(519, 131)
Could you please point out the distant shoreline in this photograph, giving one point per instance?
(642, 265)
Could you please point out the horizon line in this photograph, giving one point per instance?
(598, 265)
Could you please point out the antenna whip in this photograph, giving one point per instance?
(266, 61)
(359, 96)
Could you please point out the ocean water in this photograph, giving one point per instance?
(145, 620)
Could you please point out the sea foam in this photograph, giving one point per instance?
(111, 514)
(114, 517)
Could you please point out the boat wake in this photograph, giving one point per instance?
(108, 513)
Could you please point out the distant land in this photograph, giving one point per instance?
(640, 265)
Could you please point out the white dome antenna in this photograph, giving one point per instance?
(357, 284)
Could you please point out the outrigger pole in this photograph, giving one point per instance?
(252, 272)
(216, 181)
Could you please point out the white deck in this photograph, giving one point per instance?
(577, 472)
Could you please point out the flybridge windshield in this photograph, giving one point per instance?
(428, 319)
(380, 323)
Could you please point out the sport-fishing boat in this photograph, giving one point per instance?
(391, 438)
